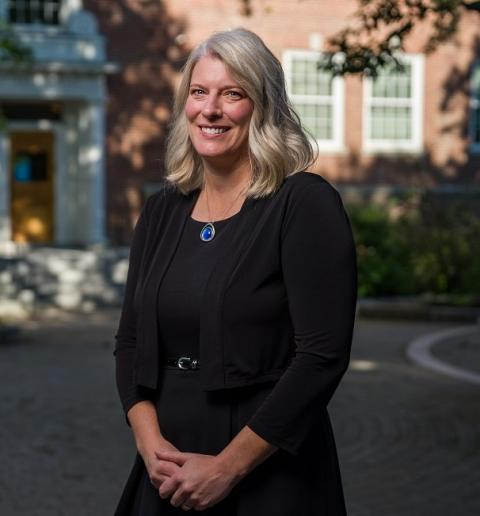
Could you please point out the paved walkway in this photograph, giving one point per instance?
(463, 353)
(408, 438)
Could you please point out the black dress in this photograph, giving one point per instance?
(205, 422)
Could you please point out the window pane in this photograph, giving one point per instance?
(378, 87)
(298, 67)
(390, 123)
(34, 11)
(316, 85)
(308, 80)
(393, 84)
(376, 122)
(317, 119)
(476, 125)
(476, 81)
(298, 85)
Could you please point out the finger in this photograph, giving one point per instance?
(178, 457)
(165, 467)
(158, 480)
(180, 497)
(168, 487)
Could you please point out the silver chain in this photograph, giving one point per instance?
(229, 207)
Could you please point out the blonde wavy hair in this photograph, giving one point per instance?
(278, 145)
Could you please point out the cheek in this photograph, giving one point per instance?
(241, 113)
(191, 110)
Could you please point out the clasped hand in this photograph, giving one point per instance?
(192, 480)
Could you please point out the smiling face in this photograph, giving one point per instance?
(218, 113)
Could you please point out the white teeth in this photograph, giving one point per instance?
(213, 130)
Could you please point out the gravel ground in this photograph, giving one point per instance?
(408, 439)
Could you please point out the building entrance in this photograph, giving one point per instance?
(32, 186)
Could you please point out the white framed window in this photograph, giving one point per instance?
(475, 108)
(317, 97)
(393, 108)
(33, 12)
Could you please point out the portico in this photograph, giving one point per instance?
(52, 168)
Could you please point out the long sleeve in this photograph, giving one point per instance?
(125, 347)
(320, 275)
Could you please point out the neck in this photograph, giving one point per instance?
(223, 179)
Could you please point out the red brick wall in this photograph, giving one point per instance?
(141, 37)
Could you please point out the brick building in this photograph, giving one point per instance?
(85, 127)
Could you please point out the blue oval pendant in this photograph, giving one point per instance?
(208, 232)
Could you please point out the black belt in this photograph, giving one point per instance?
(184, 362)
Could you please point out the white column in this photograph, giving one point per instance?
(3, 9)
(61, 186)
(92, 172)
(97, 171)
(5, 223)
(69, 221)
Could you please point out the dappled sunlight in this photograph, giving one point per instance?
(140, 98)
(363, 365)
(142, 128)
(90, 154)
(35, 227)
(87, 50)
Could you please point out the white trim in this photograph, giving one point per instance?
(474, 106)
(337, 100)
(415, 143)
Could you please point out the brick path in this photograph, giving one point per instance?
(408, 439)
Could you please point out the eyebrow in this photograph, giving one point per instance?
(228, 87)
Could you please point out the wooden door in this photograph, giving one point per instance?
(32, 186)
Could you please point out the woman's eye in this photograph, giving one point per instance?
(197, 91)
(234, 94)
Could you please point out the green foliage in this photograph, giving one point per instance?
(378, 29)
(11, 49)
(377, 34)
(381, 252)
(418, 245)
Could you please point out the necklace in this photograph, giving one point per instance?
(207, 233)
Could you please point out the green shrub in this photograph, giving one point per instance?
(381, 253)
(418, 245)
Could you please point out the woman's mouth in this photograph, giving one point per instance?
(214, 130)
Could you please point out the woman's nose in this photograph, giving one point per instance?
(212, 107)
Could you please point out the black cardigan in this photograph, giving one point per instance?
(279, 305)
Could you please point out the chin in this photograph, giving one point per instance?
(206, 152)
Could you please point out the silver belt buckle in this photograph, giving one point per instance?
(186, 363)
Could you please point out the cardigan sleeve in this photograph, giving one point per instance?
(125, 337)
(319, 270)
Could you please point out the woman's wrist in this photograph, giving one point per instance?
(246, 451)
(149, 447)
(235, 469)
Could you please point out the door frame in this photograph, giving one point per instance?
(57, 128)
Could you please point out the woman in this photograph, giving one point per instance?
(239, 307)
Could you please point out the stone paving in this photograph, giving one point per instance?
(408, 438)
(464, 352)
